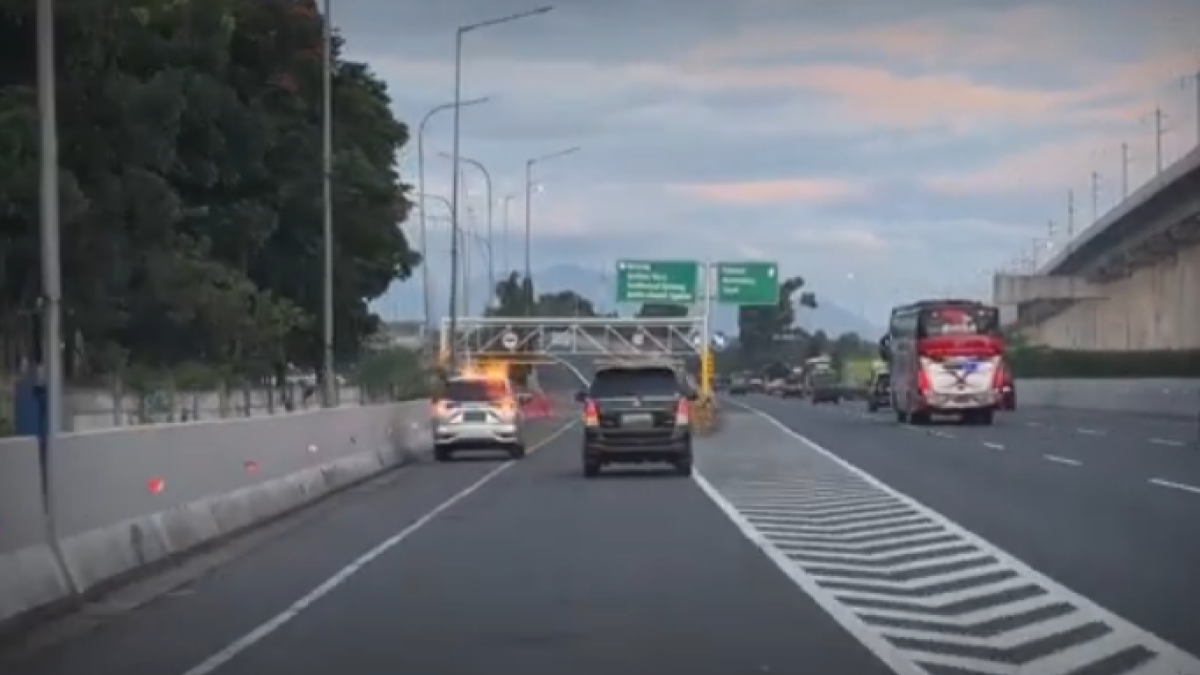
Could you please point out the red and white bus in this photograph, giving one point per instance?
(946, 358)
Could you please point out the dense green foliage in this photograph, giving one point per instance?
(662, 311)
(190, 138)
(764, 331)
(512, 299)
(1039, 362)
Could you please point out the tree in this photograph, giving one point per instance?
(564, 304)
(512, 296)
(759, 327)
(662, 311)
(191, 202)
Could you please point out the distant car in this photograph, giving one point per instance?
(792, 388)
(826, 389)
(637, 414)
(879, 392)
(739, 387)
(478, 413)
(757, 386)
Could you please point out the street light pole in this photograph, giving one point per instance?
(426, 293)
(458, 43)
(330, 389)
(487, 179)
(507, 264)
(52, 362)
(529, 164)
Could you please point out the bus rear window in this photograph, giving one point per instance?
(951, 321)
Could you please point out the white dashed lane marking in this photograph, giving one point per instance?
(1091, 432)
(993, 446)
(1170, 442)
(1175, 486)
(1062, 460)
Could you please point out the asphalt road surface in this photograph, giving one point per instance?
(812, 540)
(1101, 503)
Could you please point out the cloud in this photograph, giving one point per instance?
(833, 137)
(773, 191)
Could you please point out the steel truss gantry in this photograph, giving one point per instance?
(511, 337)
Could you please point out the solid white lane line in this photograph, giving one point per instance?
(1063, 460)
(265, 630)
(1175, 486)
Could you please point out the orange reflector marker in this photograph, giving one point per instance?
(251, 466)
(156, 485)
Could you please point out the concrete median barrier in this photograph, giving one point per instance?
(1160, 397)
(128, 498)
(707, 412)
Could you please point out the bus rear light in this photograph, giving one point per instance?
(923, 383)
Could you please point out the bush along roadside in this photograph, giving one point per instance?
(1046, 363)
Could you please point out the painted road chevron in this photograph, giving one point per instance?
(921, 592)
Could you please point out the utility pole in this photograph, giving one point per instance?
(329, 391)
(1124, 171)
(1070, 215)
(1095, 196)
(1158, 138)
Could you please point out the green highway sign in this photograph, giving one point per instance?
(658, 281)
(747, 283)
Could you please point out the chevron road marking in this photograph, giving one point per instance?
(923, 594)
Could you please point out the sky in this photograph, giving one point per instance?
(884, 150)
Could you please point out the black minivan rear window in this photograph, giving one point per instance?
(617, 383)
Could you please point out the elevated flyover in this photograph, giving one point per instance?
(1130, 281)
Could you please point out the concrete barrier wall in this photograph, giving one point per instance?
(124, 498)
(1166, 397)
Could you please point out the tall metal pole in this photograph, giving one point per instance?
(491, 258)
(51, 256)
(1124, 170)
(528, 218)
(1095, 196)
(453, 328)
(52, 362)
(487, 179)
(426, 287)
(507, 263)
(1196, 84)
(529, 212)
(458, 43)
(1070, 215)
(330, 382)
(1158, 137)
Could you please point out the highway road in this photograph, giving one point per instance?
(812, 540)
(1101, 503)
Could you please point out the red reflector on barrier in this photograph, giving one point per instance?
(251, 467)
(156, 485)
